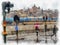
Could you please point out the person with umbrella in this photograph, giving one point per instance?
(37, 29)
(16, 20)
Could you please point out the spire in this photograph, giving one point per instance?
(34, 6)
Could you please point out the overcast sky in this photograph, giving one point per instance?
(45, 4)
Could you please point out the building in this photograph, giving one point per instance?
(34, 12)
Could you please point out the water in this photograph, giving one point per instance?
(29, 19)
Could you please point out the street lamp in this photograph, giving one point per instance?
(5, 6)
(45, 19)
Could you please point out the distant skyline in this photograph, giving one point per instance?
(43, 4)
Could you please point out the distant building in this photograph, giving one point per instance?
(33, 12)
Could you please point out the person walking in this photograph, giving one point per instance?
(37, 30)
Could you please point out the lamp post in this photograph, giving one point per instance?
(5, 6)
(45, 19)
(4, 32)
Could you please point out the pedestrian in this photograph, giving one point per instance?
(36, 28)
(54, 30)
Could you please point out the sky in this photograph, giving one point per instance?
(45, 4)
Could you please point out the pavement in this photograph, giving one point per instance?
(31, 37)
